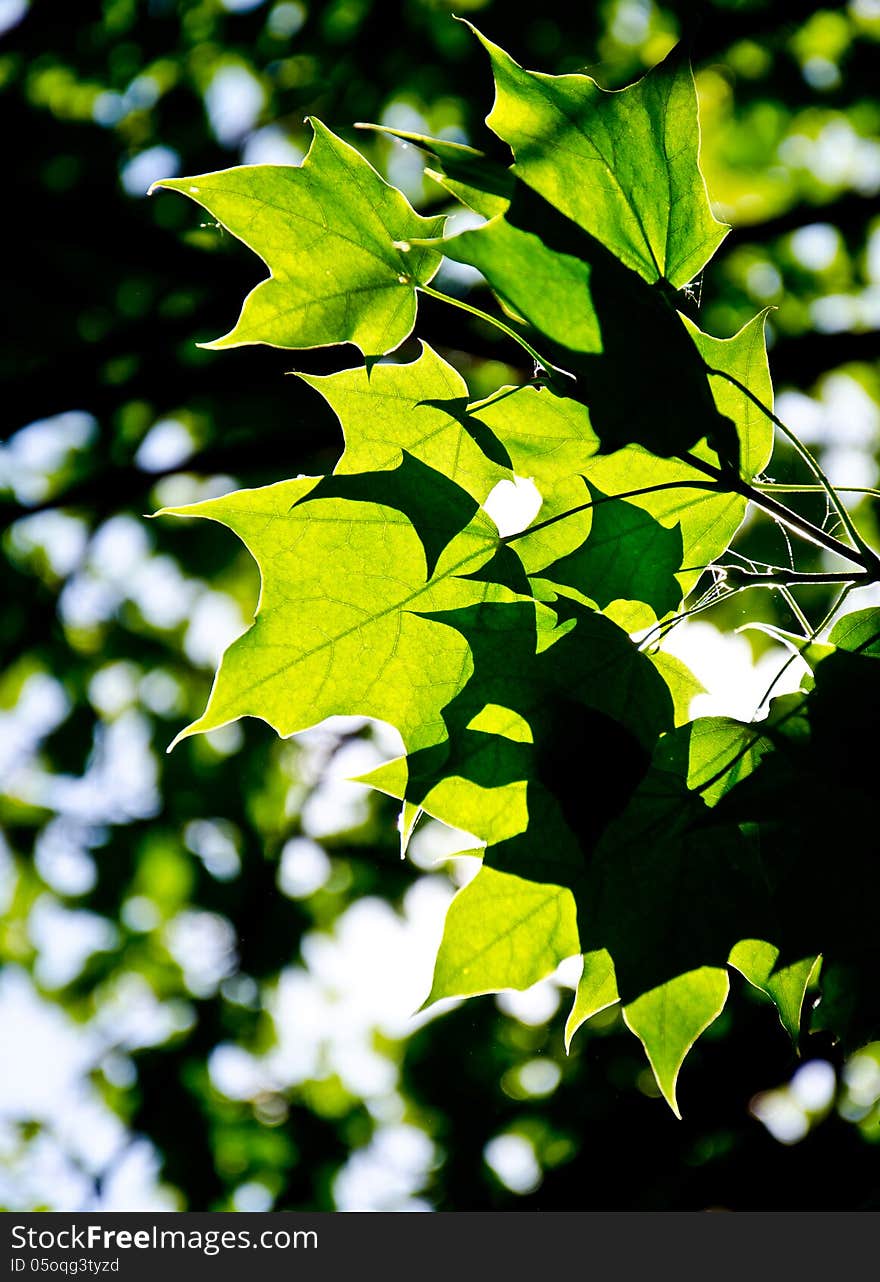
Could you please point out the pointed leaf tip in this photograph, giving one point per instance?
(596, 991)
(669, 1019)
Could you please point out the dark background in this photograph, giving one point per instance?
(145, 936)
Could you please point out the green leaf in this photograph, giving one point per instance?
(672, 887)
(503, 932)
(669, 1019)
(742, 357)
(623, 165)
(858, 633)
(680, 681)
(338, 628)
(627, 556)
(713, 754)
(594, 707)
(420, 407)
(596, 991)
(335, 237)
(603, 317)
(547, 437)
(662, 850)
(551, 439)
(550, 290)
(467, 174)
(786, 985)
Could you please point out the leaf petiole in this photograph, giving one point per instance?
(540, 361)
(812, 463)
(864, 557)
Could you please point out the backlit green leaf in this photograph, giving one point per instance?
(421, 408)
(858, 633)
(596, 991)
(786, 985)
(669, 1019)
(344, 580)
(624, 165)
(335, 238)
(503, 932)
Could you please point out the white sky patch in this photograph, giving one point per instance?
(815, 246)
(120, 782)
(814, 1085)
(513, 505)
(132, 1016)
(303, 868)
(405, 163)
(114, 688)
(61, 858)
(235, 1073)
(61, 538)
(62, 1049)
(512, 1158)
(216, 621)
(735, 684)
(42, 705)
(31, 457)
(434, 843)
(11, 13)
(65, 939)
(783, 1117)
(216, 843)
(333, 754)
(843, 420)
(252, 1196)
(164, 596)
(534, 1006)
(455, 276)
(837, 155)
(385, 1174)
(167, 444)
(44, 1077)
(234, 100)
(271, 146)
(138, 174)
(203, 945)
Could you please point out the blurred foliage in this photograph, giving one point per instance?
(202, 998)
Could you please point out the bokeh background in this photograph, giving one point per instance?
(210, 960)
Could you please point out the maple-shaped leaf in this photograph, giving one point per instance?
(622, 164)
(336, 239)
(595, 316)
(420, 407)
(344, 583)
